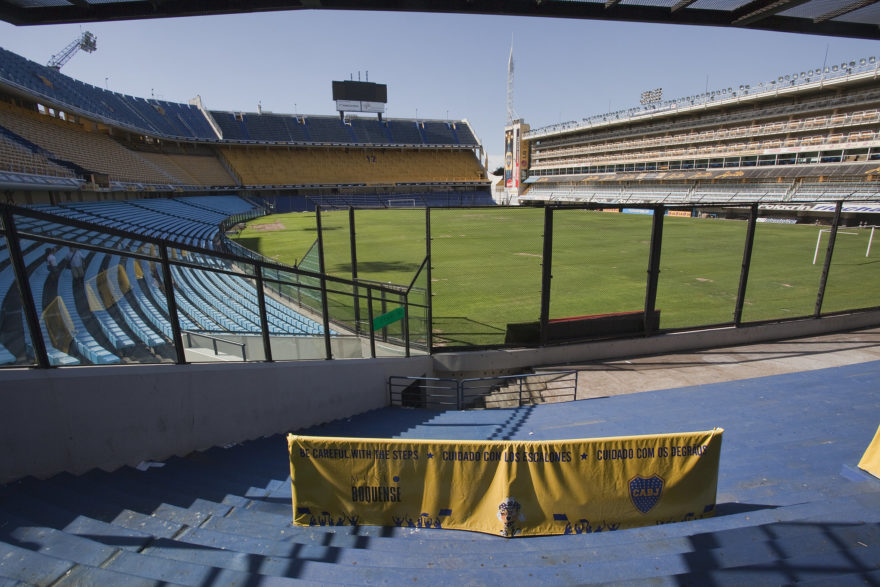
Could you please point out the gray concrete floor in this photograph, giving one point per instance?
(636, 374)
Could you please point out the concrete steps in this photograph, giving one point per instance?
(789, 508)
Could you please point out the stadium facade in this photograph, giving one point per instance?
(787, 143)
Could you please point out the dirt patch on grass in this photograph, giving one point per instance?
(268, 227)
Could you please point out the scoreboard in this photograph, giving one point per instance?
(352, 96)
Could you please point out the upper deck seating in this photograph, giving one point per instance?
(329, 129)
(404, 132)
(465, 135)
(439, 133)
(156, 117)
(231, 125)
(370, 131)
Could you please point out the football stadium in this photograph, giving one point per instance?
(249, 347)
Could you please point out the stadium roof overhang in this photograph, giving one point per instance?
(843, 18)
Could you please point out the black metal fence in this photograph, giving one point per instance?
(436, 280)
(76, 293)
(513, 276)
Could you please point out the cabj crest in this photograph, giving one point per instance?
(645, 492)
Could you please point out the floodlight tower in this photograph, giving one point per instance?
(515, 160)
(86, 42)
(511, 113)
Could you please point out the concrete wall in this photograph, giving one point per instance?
(506, 361)
(78, 418)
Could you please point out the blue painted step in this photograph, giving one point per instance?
(30, 567)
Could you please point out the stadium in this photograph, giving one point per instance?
(181, 287)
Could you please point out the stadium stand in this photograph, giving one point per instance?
(159, 117)
(728, 146)
(88, 140)
(438, 199)
(89, 150)
(364, 166)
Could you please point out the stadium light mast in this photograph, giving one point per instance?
(86, 42)
(511, 113)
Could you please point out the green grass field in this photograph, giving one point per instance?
(486, 265)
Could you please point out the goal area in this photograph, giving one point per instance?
(401, 203)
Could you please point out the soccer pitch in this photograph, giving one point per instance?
(486, 265)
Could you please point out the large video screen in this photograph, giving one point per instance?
(360, 91)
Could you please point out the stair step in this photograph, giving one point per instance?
(29, 567)
(85, 576)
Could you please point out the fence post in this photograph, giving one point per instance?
(546, 275)
(172, 304)
(384, 311)
(325, 311)
(826, 267)
(653, 267)
(405, 325)
(352, 238)
(428, 302)
(264, 320)
(746, 264)
(31, 313)
(370, 325)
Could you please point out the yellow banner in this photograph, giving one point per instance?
(871, 459)
(506, 488)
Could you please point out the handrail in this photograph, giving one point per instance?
(214, 340)
(448, 393)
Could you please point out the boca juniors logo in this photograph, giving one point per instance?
(645, 492)
(509, 512)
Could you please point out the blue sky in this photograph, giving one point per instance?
(434, 65)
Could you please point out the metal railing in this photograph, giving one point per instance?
(504, 391)
(507, 391)
(214, 341)
(25, 235)
(424, 392)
